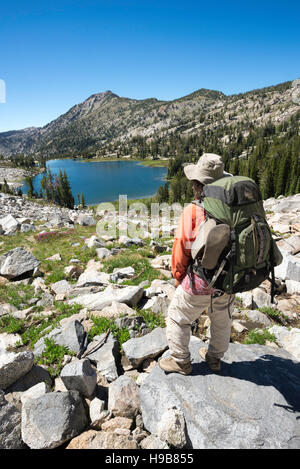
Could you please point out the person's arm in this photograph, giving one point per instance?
(186, 232)
(180, 259)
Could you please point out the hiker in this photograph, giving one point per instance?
(192, 297)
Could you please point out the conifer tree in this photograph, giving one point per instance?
(82, 201)
(30, 191)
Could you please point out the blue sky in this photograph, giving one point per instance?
(55, 54)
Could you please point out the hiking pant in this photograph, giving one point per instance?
(184, 309)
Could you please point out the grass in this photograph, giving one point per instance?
(102, 325)
(11, 325)
(52, 357)
(143, 269)
(273, 313)
(259, 336)
(59, 241)
(151, 319)
(16, 295)
(31, 330)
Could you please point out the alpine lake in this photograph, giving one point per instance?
(104, 181)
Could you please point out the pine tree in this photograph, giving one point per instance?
(30, 191)
(67, 192)
(82, 201)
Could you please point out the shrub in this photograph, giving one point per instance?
(151, 319)
(53, 355)
(259, 336)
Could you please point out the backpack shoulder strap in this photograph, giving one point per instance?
(198, 203)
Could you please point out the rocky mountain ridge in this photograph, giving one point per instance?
(106, 118)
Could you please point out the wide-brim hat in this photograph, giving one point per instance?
(211, 241)
(209, 168)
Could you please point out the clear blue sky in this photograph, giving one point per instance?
(55, 54)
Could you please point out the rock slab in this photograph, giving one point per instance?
(79, 376)
(52, 419)
(123, 398)
(252, 403)
(149, 346)
(13, 366)
(10, 425)
(17, 262)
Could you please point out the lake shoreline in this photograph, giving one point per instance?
(145, 162)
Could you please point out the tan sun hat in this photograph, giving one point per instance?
(211, 240)
(209, 168)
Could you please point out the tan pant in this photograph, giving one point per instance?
(184, 309)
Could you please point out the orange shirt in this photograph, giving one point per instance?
(186, 233)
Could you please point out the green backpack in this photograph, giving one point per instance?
(251, 253)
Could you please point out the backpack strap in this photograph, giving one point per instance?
(198, 203)
(272, 273)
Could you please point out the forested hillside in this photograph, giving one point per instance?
(270, 155)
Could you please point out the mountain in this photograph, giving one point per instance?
(106, 120)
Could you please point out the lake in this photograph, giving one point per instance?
(104, 181)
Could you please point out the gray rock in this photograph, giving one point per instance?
(94, 242)
(109, 440)
(158, 305)
(289, 245)
(126, 272)
(9, 340)
(139, 434)
(292, 287)
(60, 287)
(86, 220)
(79, 376)
(96, 408)
(153, 442)
(72, 336)
(171, 428)
(59, 221)
(252, 403)
(36, 391)
(92, 277)
(52, 419)
(26, 227)
(103, 252)
(289, 339)
(17, 262)
(130, 241)
(129, 295)
(237, 326)
(106, 357)
(10, 425)
(289, 269)
(257, 316)
(149, 346)
(13, 366)
(7, 308)
(247, 299)
(286, 205)
(261, 298)
(46, 300)
(123, 397)
(129, 321)
(9, 223)
(36, 375)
